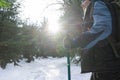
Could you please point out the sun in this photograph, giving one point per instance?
(53, 28)
(35, 10)
(53, 16)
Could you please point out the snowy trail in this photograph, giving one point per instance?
(42, 69)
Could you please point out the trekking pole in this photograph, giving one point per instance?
(68, 65)
(68, 60)
(67, 51)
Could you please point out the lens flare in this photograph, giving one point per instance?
(53, 28)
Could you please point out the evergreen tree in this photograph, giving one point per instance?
(72, 21)
(8, 21)
(73, 14)
(8, 32)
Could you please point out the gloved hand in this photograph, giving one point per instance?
(67, 42)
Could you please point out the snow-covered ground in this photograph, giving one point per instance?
(42, 69)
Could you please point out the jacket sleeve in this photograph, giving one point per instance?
(101, 28)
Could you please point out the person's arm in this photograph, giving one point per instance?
(101, 29)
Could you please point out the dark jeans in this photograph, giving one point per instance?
(106, 76)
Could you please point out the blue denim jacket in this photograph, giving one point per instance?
(101, 28)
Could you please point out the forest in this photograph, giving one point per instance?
(32, 41)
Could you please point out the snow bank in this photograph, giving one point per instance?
(42, 69)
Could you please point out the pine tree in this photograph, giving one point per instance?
(8, 32)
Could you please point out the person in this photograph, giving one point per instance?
(97, 54)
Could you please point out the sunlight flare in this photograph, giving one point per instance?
(35, 10)
(53, 28)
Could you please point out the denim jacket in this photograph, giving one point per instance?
(100, 30)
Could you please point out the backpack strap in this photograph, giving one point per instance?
(113, 39)
(88, 19)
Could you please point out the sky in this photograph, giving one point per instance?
(35, 10)
(42, 69)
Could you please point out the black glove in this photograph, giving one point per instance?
(68, 42)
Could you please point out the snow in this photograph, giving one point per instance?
(42, 69)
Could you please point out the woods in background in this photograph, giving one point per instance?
(18, 40)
